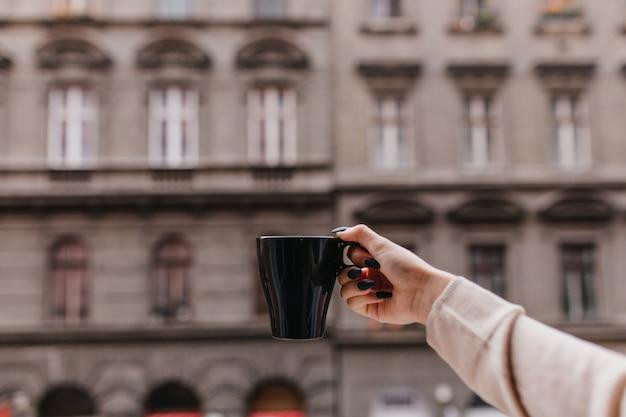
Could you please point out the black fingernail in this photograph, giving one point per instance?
(383, 294)
(339, 229)
(372, 263)
(366, 284)
(354, 273)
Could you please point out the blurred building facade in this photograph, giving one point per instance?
(145, 144)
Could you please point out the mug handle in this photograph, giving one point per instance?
(344, 251)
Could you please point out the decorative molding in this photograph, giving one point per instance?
(389, 69)
(63, 53)
(565, 75)
(478, 75)
(401, 212)
(487, 210)
(389, 75)
(272, 53)
(171, 52)
(391, 26)
(578, 210)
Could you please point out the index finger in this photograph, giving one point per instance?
(366, 237)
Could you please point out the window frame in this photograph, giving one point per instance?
(159, 129)
(161, 305)
(382, 136)
(172, 9)
(83, 150)
(497, 286)
(589, 311)
(281, 150)
(470, 134)
(58, 271)
(577, 154)
(280, 12)
(385, 9)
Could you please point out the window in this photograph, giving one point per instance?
(478, 130)
(577, 272)
(384, 9)
(71, 8)
(270, 9)
(272, 125)
(572, 142)
(389, 147)
(487, 267)
(72, 126)
(173, 9)
(173, 127)
(473, 7)
(477, 15)
(68, 289)
(171, 287)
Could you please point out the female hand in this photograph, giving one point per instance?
(412, 287)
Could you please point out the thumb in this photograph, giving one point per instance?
(366, 237)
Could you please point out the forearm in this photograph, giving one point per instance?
(519, 365)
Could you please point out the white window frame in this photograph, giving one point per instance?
(173, 9)
(473, 8)
(572, 137)
(262, 13)
(382, 9)
(72, 127)
(389, 139)
(173, 126)
(479, 131)
(272, 125)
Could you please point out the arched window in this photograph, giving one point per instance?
(69, 281)
(276, 396)
(171, 286)
(66, 401)
(172, 398)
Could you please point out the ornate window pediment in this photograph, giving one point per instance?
(578, 209)
(272, 53)
(487, 210)
(63, 53)
(172, 53)
(482, 76)
(389, 75)
(395, 212)
(565, 76)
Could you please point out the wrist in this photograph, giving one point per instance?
(433, 283)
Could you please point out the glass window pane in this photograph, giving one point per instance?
(578, 270)
(487, 267)
(173, 9)
(270, 8)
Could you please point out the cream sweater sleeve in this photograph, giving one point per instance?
(519, 365)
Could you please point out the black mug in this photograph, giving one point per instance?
(297, 276)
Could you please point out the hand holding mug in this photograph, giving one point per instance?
(389, 284)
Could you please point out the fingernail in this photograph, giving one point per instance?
(365, 284)
(354, 273)
(383, 294)
(339, 229)
(372, 263)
